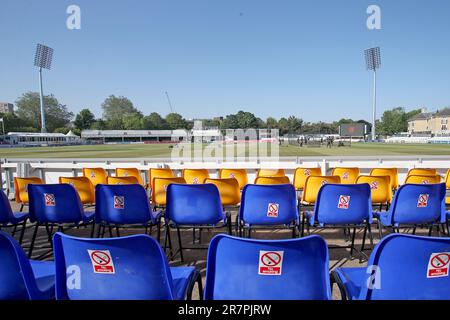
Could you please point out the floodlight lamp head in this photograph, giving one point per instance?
(373, 58)
(43, 57)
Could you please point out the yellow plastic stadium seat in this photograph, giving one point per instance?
(301, 174)
(271, 173)
(195, 176)
(391, 172)
(229, 191)
(422, 172)
(423, 179)
(347, 175)
(239, 174)
(122, 180)
(447, 179)
(159, 173)
(84, 187)
(313, 185)
(130, 172)
(20, 188)
(380, 187)
(159, 189)
(272, 180)
(95, 175)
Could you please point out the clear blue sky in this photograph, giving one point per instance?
(214, 57)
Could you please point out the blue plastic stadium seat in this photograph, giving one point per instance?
(342, 205)
(23, 279)
(56, 205)
(400, 268)
(8, 218)
(124, 205)
(131, 268)
(250, 269)
(272, 206)
(193, 206)
(416, 204)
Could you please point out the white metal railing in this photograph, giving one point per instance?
(51, 169)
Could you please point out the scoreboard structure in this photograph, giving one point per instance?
(353, 130)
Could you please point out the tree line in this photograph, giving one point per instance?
(119, 113)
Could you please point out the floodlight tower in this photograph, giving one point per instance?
(373, 62)
(43, 59)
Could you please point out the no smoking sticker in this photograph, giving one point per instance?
(101, 261)
(92, 174)
(195, 180)
(422, 202)
(438, 265)
(49, 199)
(270, 263)
(374, 185)
(119, 202)
(272, 210)
(346, 175)
(323, 182)
(307, 172)
(343, 202)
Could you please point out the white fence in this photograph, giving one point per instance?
(51, 169)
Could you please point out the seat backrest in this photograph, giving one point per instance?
(84, 187)
(130, 172)
(407, 267)
(55, 203)
(301, 174)
(159, 189)
(422, 172)
(418, 203)
(195, 176)
(16, 276)
(380, 187)
(343, 204)
(391, 172)
(250, 269)
(6, 212)
(239, 174)
(447, 179)
(271, 173)
(313, 184)
(194, 204)
(96, 175)
(229, 191)
(347, 175)
(268, 204)
(132, 267)
(159, 173)
(272, 180)
(423, 179)
(21, 188)
(122, 204)
(122, 180)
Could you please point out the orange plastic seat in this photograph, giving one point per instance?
(272, 180)
(159, 173)
(95, 175)
(195, 176)
(422, 172)
(130, 172)
(313, 185)
(159, 189)
(229, 191)
(84, 187)
(301, 174)
(423, 179)
(347, 175)
(380, 187)
(391, 172)
(21, 188)
(122, 180)
(271, 173)
(239, 174)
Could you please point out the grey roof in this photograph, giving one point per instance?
(443, 113)
(421, 116)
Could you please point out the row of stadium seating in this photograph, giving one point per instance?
(134, 267)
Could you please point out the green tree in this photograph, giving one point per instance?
(13, 123)
(394, 121)
(84, 119)
(271, 123)
(230, 122)
(176, 121)
(154, 122)
(116, 107)
(56, 114)
(246, 120)
(133, 122)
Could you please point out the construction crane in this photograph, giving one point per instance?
(170, 103)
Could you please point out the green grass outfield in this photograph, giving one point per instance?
(163, 150)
